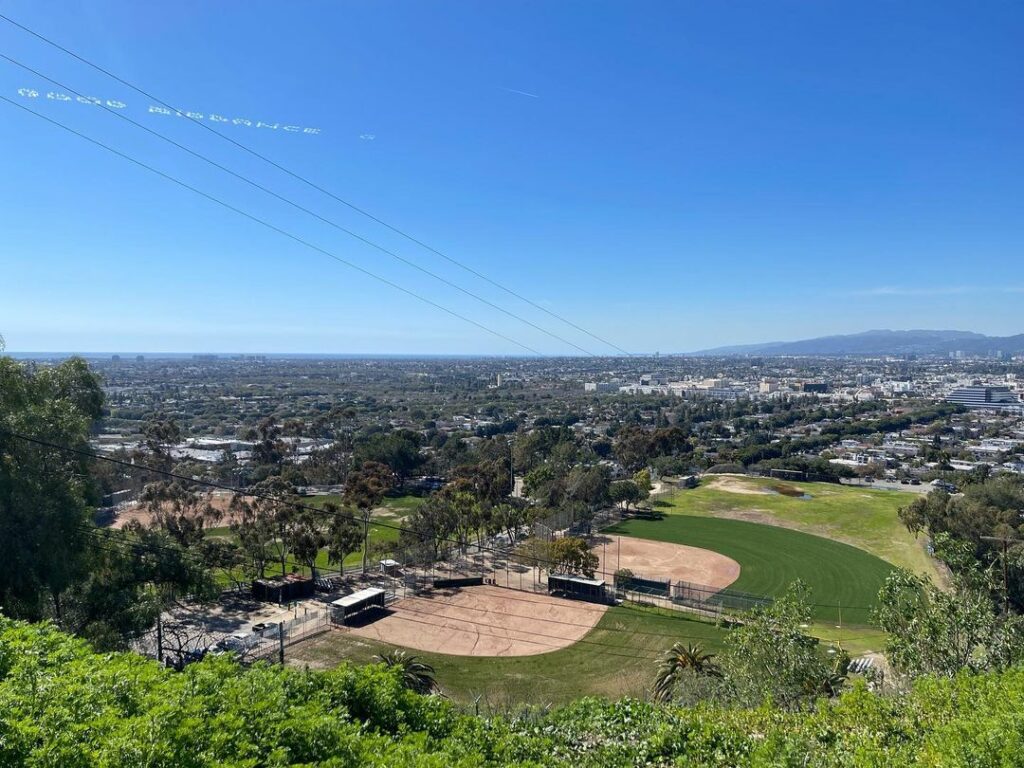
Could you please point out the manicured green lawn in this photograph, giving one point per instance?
(864, 518)
(615, 658)
(844, 580)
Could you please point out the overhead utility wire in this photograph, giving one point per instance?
(315, 186)
(285, 501)
(272, 227)
(307, 211)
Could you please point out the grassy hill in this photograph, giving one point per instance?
(864, 518)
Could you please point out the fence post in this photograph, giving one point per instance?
(280, 644)
(160, 638)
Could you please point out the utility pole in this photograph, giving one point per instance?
(1005, 541)
(159, 638)
(511, 471)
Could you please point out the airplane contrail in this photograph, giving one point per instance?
(523, 93)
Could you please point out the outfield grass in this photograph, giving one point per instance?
(864, 518)
(616, 658)
(844, 580)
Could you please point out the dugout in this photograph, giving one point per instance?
(658, 587)
(459, 581)
(349, 605)
(291, 587)
(577, 587)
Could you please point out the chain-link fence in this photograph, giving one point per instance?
(185, 635)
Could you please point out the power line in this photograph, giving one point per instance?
(270, 226)
(305, 210)
(317, 187)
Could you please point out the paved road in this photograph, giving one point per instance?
(888, 485)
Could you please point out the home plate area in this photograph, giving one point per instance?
(480, 621)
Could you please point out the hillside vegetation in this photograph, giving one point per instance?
(63, 705)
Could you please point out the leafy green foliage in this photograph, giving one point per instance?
(679, 660)
(984, 517)
(416, 674)
(44, 493)
(939, 632)
(63, 705)
(769, 657)
(572, 555)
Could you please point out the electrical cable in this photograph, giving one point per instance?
(302, 208)
(312, 185)
(271, 227)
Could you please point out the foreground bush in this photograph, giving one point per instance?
(64, 706)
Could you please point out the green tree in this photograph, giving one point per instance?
(365, 488)
(769, 657)
(416, 675)
(45, 493)
(308, 539)
(398, 450)
(677, 661)
(938, 632)
(572, 555)
(588, 488)
(133, 575)
(179, 510)
(633, 448)
(344, 535)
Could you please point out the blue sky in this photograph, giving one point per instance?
(667, 175)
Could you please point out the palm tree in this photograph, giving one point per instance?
(416, 675)
(675, 661)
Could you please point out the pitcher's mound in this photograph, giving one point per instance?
(484, 621)
(662, 560)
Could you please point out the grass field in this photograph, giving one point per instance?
(616, 658)
(864, 518)
(844, 580)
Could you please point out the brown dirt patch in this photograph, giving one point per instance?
(663, 560)
(737, 484)
(484, 621)
(219, 500)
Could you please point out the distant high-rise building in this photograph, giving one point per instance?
(982, 397)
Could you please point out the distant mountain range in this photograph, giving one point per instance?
(881, 342)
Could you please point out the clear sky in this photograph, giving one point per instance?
(668, 175)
